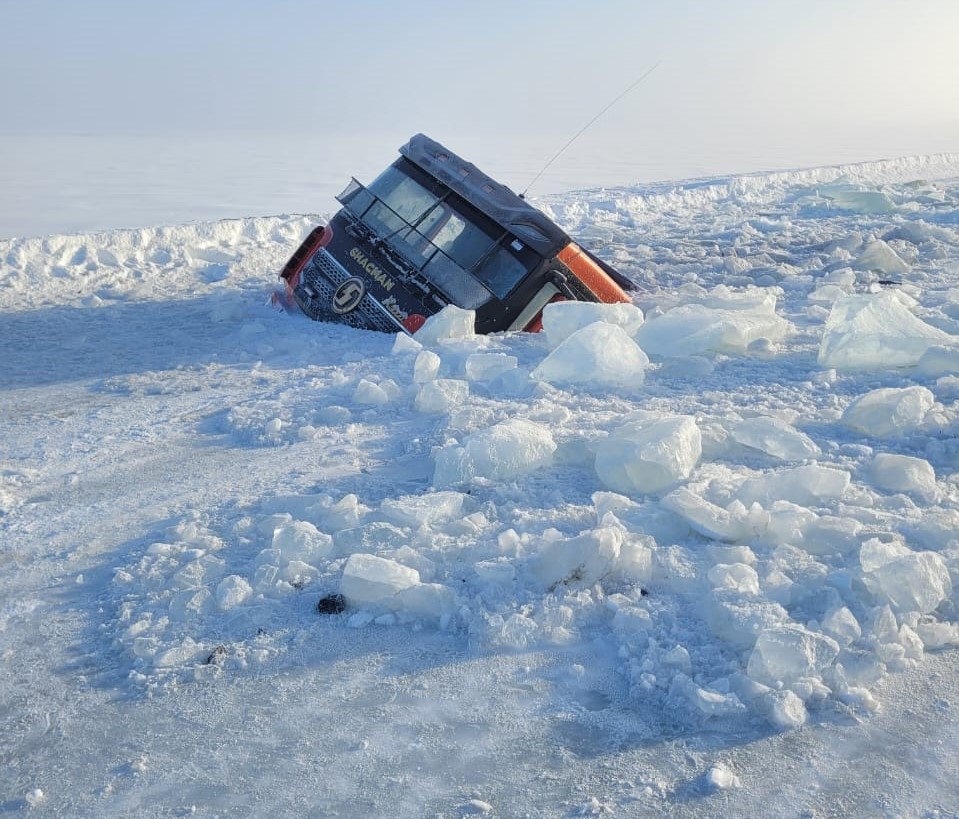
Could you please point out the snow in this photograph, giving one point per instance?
(576, 580)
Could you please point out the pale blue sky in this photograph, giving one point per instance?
(738, 66)
(214, 108)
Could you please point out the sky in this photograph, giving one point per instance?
(739, 85)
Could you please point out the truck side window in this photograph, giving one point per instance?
(501, 272)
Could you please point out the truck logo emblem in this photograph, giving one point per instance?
(348, 295)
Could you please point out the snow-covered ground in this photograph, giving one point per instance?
(698, 557)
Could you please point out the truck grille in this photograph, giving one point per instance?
(314, 295)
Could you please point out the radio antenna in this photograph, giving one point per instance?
(582, 130)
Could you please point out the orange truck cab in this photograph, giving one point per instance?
(433, 230)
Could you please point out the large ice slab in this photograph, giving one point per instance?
(774, 437)
(876, 332)
(878, 256)
(579, 561)
(909, 581)
(786, 653)
(692, 329)
(889, 411)
(369, 580)
(562, 319)
(642, 457)
(904, 473)
(599, 353)
(504, 451)
(809, 485)
(451, 322)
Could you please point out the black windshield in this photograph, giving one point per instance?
(464, 253)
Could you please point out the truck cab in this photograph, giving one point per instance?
(432, 230)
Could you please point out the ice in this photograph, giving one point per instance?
(694, 329)
(736, 577)
(190, 603)
(405, 345)
(880, 257)
(451, 322)
(876, 332)
(579, 561)
(705, 517)
(854, 197)
(785, 710)
(889, 412)
(841, 624)
(939, 361)
(739, 620)
(430, 509)
(232, 591)
(903, 473)
(301, 540)
(600, 353)
(720, 778)
(643, 457)
(487, 366)
(562, 319)
(441, 395)
(913, 582)
(430, 600)
(504, 451)
(786, 653)
(371, 581)
(809, 485)
(367, 392)
(774, 437)
(35, 798)
(344, 514)
(707, 702)
(426, 366)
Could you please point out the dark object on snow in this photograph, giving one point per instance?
(433, 230)
(217, 656)
(331, 604)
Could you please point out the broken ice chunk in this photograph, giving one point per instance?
(774, 437)
(642, 457)
(599, 353)
(487, 366)
(562, 319)
(876, 332)
(441, 395)
(903, 473)
(375, 581)
(808, 485)
(692, 329)
(889, 412)
(504, 451)
(913, 582)
(786, 653)
(451, 322)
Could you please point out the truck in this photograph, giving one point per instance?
(433, 230)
